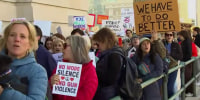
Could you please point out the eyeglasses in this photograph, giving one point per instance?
(168, 34)
(65, 45)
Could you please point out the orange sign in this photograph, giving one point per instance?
(100, 18)
(159, 15)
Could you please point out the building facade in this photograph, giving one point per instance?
(56, 11)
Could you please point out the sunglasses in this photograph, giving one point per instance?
(168, 34)
(65, 45)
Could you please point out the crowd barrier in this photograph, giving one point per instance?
(164, 76)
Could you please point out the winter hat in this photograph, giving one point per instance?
(144, 39)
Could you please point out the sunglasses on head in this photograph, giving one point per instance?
(168, 34)
(66, 45)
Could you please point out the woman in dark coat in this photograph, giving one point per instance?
(196, 35)
(147, 58)
(186, 45)
(109, 64)
(175, 51)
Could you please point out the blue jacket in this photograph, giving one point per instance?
(44, 58)
(151, 92)
(37, 79)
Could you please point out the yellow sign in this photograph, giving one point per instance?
(159, 15)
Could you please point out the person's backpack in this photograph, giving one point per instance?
(129, 88)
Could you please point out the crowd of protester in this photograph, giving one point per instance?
(34, 61)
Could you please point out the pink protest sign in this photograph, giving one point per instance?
(70, 74)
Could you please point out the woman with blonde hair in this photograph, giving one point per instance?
(76, 51)
(58, 45)
(19, 42)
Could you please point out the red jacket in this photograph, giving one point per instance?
(87, 86)
(194, 50)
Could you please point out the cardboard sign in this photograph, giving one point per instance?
(159, 15)
(115, 25)
(127, 18)
(45, 26)
(79, 22)
(100, 18)
(92, 57)
(58, 57)
(70, 74)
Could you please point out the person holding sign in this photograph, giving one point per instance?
(109, 64)
(19, 42)
(76, 51)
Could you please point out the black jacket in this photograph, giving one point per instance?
(108, 71)
(197, 40)
(176, 51)
(186, 46)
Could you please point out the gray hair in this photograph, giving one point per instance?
(79, 49)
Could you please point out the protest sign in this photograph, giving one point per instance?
(92, 57)
(115, 25)
(127, 18)
(1, 23)
(91, 20)
(70, 74)
(18, 19)
(70, 20)
(79, 22)
(58, 57)
(59, 30)
(100, 18)
(45, 26)
(159, 15)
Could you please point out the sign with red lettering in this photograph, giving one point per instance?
(127, 18)
(70, 74)
(159, 15)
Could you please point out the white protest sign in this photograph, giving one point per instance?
(127, 18)
(58, 57)
(70, 74)
(45, 27)
(115, 25)
(92, 57)
(90, 20)
(17, 19)
(1, 27)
